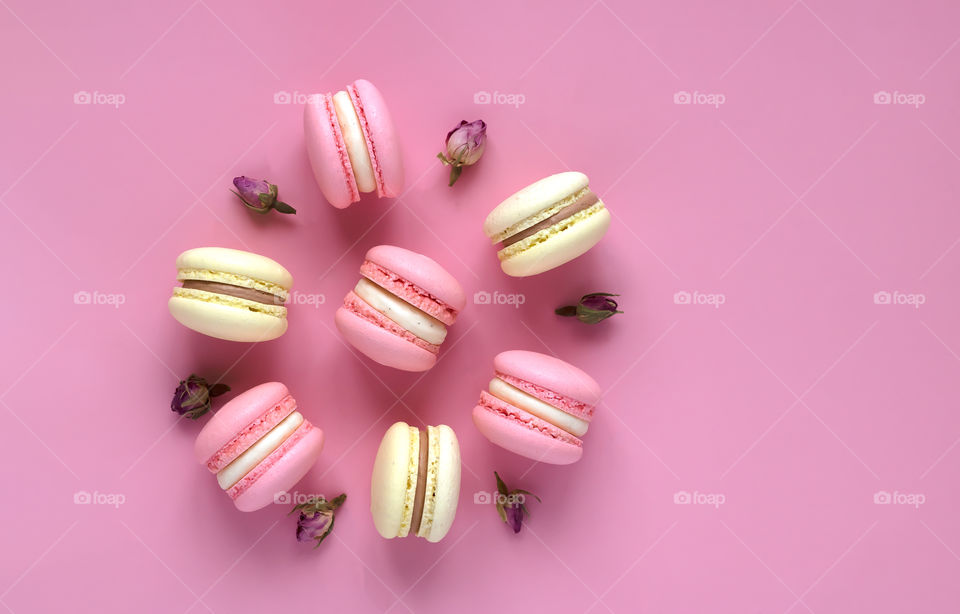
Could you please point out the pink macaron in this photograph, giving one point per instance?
(398, 312)
(352, 145)
(537, 406)
(259, 445)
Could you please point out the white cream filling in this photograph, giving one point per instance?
(356, 144)
(518, 398)
(254, 455)
(419, 323)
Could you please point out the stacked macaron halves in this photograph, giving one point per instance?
(259, 445)
(231, 294)
(416, 482)
(537, 406)
(399, 311)
(352, 144)
(546, 224)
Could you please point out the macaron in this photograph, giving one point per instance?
(231, 294)
(259, 445)
(352, 145)
(399, 311)
(546, 224)
(537, 406)
(416, 482)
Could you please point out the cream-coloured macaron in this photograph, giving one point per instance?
(231, 294)
(416, 482)
(546, 224)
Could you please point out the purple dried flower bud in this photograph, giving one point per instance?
(259, 195)
(316, 518)
(192, 396)
(592, 308)
(465, 145)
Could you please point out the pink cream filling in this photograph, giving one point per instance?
(360, 307)
(371, 148)
(254, 474)
(574, 408)
(262, 425)
(409, 292)
(341, 148)
(515, 414)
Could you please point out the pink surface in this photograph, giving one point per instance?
(774, 371)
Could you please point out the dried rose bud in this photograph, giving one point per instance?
(465, 144)
(259, 195)
(511, 504)
(316, 518)
(192, 396)
(592, 308)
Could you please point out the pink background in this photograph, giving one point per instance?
(791, 405)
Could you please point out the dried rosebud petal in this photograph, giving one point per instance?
(511, 504)
(316, 518)
(514, 516)
(464, 146)
(192, 396)
(592, 308)
(259, 195)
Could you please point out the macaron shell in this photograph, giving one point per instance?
(549, 372)
(284, 473)
(520, 439)
(559, 248)
(388, 483)
(226, 260)
(225, 322)
(381, 345)
(382, 143)
(240, 411)
(421, 271)
(328, 154)
(533, 199)
(448, 484)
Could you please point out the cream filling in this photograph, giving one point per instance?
(557, 417)
(430, 493)
(230, 301)
(233, 279)
(254, 455)
(418, 322)
(546, 233)
(355, 142)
